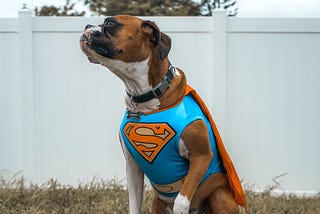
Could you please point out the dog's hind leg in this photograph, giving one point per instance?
(222, 201)
(160, 207)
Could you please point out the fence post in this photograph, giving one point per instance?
(25, 45)
(219, 68)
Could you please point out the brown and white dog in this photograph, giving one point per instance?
(137, 52)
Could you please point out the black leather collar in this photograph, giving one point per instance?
(157, 91)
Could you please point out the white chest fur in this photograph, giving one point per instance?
(136, 79)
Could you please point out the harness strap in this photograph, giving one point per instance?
(169, 188)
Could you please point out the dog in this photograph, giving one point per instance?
(167, 133)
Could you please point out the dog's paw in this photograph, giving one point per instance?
(181, 205)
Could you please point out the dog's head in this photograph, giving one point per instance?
(125, 38)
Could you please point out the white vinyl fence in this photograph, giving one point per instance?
(59, 114)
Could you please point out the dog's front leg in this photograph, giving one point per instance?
(196, 140)
(135, 181)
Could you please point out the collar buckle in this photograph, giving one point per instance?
(159, 90)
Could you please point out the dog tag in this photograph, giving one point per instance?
(135, 115)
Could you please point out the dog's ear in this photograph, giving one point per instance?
(160, 41)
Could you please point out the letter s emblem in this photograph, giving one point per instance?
(148, 138)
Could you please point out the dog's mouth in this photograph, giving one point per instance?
(84, 40)
(85, 45)
(97, 44)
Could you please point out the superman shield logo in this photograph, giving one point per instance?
(148, 138)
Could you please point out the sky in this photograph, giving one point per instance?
(247, 8)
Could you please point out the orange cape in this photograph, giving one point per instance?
(232, 175)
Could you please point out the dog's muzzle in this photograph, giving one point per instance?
(94, 39)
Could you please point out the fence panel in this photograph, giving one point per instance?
(273, 91)
(10, 150)
(59, 114)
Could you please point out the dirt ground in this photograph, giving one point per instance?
(112, 198)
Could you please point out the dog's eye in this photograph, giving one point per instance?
(109, 23)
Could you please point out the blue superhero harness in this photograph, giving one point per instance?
(153, 141)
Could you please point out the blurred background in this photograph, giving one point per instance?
(256, 64)
(241, 8)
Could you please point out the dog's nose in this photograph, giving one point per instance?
(88, 26)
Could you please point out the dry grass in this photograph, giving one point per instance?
(111, 197)
(266, 203)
